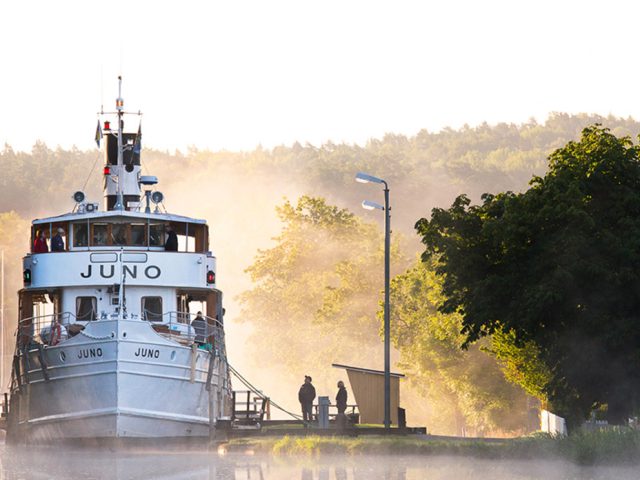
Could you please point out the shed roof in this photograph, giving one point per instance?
(366, 370)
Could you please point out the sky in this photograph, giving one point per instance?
(237, 74)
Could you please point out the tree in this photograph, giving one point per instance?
(465, 388)
(316, 292)
(558, 265)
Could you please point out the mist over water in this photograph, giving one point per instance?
(25, 463)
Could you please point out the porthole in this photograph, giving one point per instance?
(63, 356)
(173, 355)
(124, 334)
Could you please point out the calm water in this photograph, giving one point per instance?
(87, 464)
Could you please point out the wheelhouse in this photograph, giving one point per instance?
(120, 230)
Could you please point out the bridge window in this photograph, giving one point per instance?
(86, 308)
(156, 235)
(119, 234)
(99, 234)
(80, 234)
(138, 234)
(152, 309)
(141, 233)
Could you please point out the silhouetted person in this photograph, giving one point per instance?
(200, 327)
(171, 245)
(57, 242)
(341, 403)
(40, 243)
(306, 395)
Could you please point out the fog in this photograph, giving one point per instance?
(237, 193)
(171, 464)
(239, 202)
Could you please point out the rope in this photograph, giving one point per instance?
(91, 172)
(259, 393)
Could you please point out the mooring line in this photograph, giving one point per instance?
(253, 389)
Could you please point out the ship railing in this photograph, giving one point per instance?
(48, 329)
(184, 327)
(189, 328)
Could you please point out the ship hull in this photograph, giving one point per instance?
(118, 379)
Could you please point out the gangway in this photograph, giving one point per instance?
(250, 408)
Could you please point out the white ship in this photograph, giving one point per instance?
(109, 342)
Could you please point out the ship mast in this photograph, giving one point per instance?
(119, 107)
(122, 161)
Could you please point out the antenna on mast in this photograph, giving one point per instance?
(119, 109)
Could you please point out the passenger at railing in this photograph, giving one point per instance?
(171, 245)
(57, 242)
(40, 243)
(200, 327)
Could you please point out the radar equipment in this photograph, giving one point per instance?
(78, 197)
(157, 198)
(148, 180)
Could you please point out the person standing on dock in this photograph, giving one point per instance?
(341, 403)
(306, 395)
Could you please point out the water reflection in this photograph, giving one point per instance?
(108, 463)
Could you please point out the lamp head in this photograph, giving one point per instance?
(368, 205)
(366, 178)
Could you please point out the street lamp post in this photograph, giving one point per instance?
(365, 178)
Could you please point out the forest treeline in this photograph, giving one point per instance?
(424, 170)
(329, 290)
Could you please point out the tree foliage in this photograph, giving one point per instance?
(316, 291)
(557, 265)
(465, 388)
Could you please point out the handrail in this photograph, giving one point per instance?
(207, 330)
(188, 317)
(179, 326)
(32, 328)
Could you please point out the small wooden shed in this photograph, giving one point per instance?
(368, 389)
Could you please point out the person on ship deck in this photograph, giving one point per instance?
(57, 242)
(171, 245)
(200, 327)
(40, 243)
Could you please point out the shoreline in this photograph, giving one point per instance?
(609, 447)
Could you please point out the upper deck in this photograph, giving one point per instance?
(96, 246)
(116, 230)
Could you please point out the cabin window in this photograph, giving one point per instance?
(138, 234)
(62, 237)
(152, 309)
(119, 234)
(80, 234)
(156, 235)
(100, 234)
(40, 246)
(86, 308)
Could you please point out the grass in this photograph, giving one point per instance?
(615, 446)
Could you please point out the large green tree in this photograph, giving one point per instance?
(559, 266)
(466, 389)
(316, 292)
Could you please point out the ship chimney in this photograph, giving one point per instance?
(126, 174)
